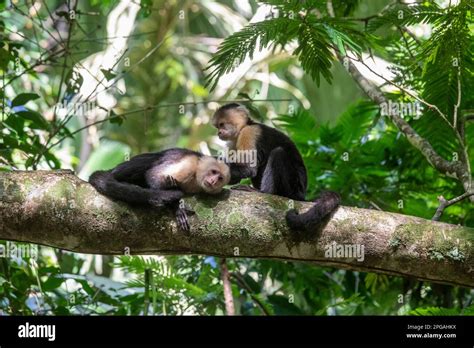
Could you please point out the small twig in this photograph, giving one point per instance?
(249, 291)
(123, 73)
(443, 204)
(411, 34)
(423, 145)
(66, 55)
(40, 61)
(362, 19)
(153, 107)
(68, 117)
(52, 21)
(40, 23)
(458, 103)
(457, 133)
(404, 90)
(228, 298)
(431, 106)
(375, 205)
(4, 161)
(35, 267)
(407, 44)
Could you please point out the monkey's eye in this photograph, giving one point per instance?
(214, 172)
(221, 125)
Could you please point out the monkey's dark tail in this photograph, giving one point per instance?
(105, 183)
(323, 207)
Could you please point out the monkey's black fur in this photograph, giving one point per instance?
(128, 182)
(280, 170)
(323, 206)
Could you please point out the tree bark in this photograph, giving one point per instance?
(58, 209)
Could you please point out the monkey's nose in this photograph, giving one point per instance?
(210, 182)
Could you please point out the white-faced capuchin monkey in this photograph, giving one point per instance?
(279, 168)
(161, 179)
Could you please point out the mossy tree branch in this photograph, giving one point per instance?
(56, 208)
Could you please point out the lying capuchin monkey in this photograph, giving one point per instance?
(279, 168)
(162, 178)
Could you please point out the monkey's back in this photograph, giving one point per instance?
(292, 168)
(135, 170)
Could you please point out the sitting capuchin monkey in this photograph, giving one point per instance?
(279, 168)
(162, 178)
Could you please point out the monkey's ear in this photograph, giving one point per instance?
(252, 111)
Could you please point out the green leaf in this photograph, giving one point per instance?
(52, 283)
(435, 311)
(109, 74)
(15, 123)
(116, 119)
(236, 47)
(86, 287)
(23, 98)
(52, 160)
(314, 53)
(46, 270)
(468, 310)
(5, 58)
(283, 306)
(37, 120)
(252, 284)
(61, 310)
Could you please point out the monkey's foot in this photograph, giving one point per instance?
(244, 188)
(182, 219)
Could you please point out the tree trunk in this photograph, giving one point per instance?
(58, 209)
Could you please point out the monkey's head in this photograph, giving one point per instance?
(229, 121)
(212, 175)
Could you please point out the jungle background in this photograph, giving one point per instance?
(140, 76)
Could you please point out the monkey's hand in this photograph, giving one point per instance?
(244, 188)
(171, 182)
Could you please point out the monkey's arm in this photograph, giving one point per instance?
(241, 171)
(108, 185)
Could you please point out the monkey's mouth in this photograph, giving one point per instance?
(223, 137)
(210, 188)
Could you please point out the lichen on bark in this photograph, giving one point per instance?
(60, 210)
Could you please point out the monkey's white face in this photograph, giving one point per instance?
(229, 123)
(226, 131)
(214, 175)
(213, 181)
